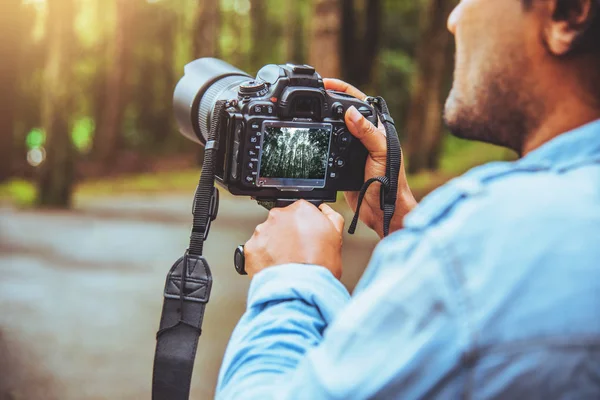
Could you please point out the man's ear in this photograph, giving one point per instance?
(570, 19)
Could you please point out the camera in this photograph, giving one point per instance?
(283, 138)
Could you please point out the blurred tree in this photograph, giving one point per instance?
(109, 131)
(165, 79)
(207, 26)
(55, 181)
(11, 23)
(206, 29)
(261, 43)
(359, 52)
(153, 69)
(424, 124)
(293, 33)
(395, 67)
(325, 37)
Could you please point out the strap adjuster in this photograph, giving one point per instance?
(387, 118)
(211, 145)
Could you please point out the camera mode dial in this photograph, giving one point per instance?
(253, 89)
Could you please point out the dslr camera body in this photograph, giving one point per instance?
(284, 137)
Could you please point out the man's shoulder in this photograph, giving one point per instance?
(505, 196)
(509, 239)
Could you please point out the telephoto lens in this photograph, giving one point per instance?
(205, 82)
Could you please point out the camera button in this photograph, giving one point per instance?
(253, 139)
(303, 69)
(344, 139)
(333, 175)
(365, 111)
(340, 162)
(338, 110)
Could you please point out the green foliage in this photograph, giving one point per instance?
(83, 134)
(35, 138)
(160, 38)
(459, 155)
(18, 192)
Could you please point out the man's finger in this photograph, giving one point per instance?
(341, 86)
(336, 219)
(366, 132)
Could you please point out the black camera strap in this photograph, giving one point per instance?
(187, 288)
(389, 182)
(189, 281)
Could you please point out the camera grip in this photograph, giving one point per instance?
(282, 203)
(239, 258)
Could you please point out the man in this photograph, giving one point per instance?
(490, 288)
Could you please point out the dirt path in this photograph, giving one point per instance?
(80, 294)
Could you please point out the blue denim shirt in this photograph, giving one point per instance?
(492, 290)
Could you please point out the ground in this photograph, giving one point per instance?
(81, 293)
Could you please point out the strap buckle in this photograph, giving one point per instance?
(372, 100)
(213, 210)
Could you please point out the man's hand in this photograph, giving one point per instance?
(373, 138)
(300, 233)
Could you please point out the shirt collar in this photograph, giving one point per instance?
(579, 146)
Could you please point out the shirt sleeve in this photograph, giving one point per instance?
(288, 308)
(301, 337)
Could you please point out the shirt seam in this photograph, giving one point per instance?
(451, 263)
(526, 345)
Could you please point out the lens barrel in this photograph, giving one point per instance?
(205, 81)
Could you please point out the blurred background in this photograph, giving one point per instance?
(96, 183)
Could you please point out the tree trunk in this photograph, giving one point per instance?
(162, 111)
(424, 127)
(359, 52)
(260, 42)
(293, 35)
(325, 38)
(109, 133)
(10, 46)
(207, 26)
(206, 29)
(55, 181)
(372, 39)
(349, 45)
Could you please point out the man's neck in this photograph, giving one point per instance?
(565, 116)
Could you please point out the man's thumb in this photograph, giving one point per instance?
(366, 132)
(336, 219)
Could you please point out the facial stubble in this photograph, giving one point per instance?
(500, 108)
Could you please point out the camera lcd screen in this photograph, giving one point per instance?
(294, 155)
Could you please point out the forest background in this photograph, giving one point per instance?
(96, 183)
(87, 84)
